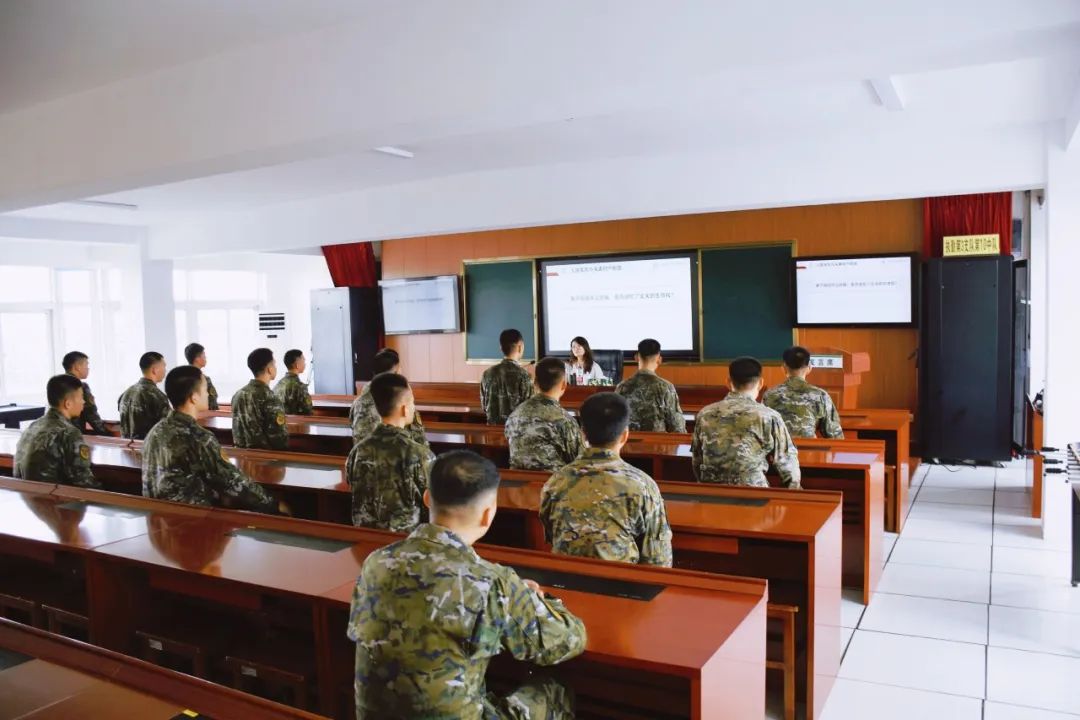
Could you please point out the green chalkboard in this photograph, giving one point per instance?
(745, 302)
(499, 295)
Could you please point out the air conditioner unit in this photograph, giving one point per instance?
(271, 324)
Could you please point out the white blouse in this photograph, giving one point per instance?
(580, 377)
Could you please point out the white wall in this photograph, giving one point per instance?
(1063, 295)
(839, 168)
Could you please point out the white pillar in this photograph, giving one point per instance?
(1062, 295)
(1037, 292)
(159, 309)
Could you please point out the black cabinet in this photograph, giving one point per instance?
(966, 366)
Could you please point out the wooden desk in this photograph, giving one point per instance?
(297, 575)
(63, 678)
(855, 468)
(792, 539)
(459, 402)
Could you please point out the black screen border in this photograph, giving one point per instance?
(695, 296)
(915, 292)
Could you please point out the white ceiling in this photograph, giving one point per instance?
(52, 48)
(485, 87)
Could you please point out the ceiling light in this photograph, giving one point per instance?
(104, 204)
(395, 151)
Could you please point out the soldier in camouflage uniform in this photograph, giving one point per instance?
(734, 438)
(600, 506)
(51, 449)
(77, 365)
(541, 434)
(428, 614)
(196, 355)
(363, 416)
(258, 417)
(142, 405)
(505, 386)
(291, 390)
(387, 470)
(183, 462)
(806, 409)
(654, 404)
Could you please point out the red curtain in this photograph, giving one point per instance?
(985, 213)
(352, 265)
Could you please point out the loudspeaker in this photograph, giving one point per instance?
(346, 324)
(966, 364)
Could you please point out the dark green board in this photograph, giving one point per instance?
(498, 295)
(745, 305)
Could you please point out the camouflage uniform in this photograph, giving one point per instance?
(141, 406)
(805, 409)
(183, 462)
(90, 414)
(364, 418)
(733, 440)
(258, 418)
(294, 395)
(502, 388)
(388, 474)
(211, 393)
(427, 616)
(602, 507)
(542, 435)
(654, 404)
(52, 450)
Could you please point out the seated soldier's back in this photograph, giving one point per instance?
(602, 507)
(387, 472)
(427, 615)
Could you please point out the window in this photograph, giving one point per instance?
(25, 284)
(46, 312)
(26, 355)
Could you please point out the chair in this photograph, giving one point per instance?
(782, 643)
(611, 362)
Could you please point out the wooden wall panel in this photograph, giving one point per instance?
(888, 226)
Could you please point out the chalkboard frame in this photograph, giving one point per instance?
(465, 307)
(793, 250)
(701, 361)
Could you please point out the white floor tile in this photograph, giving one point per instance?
(1050, 594)
(959, 480)
(1018, 500)
(1034, 630)
(1033, 679)
(1022, 561)
(918, 663)
(854, 700)
(1000, 711)
(926, 617)
(949, 530)
(955, 496)
(936, 582)
(851, 607)
(1012, 515)
(953, 512)
(1034, 592)
(1027, 536)
(965, 556)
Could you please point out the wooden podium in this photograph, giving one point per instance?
(839, 372)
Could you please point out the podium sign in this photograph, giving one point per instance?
(967, 245)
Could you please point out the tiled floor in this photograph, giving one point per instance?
(974, 619)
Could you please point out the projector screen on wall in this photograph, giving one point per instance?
(421, 305)
(877, 290)
(617, 301)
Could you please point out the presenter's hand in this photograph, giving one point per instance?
(532, 585)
